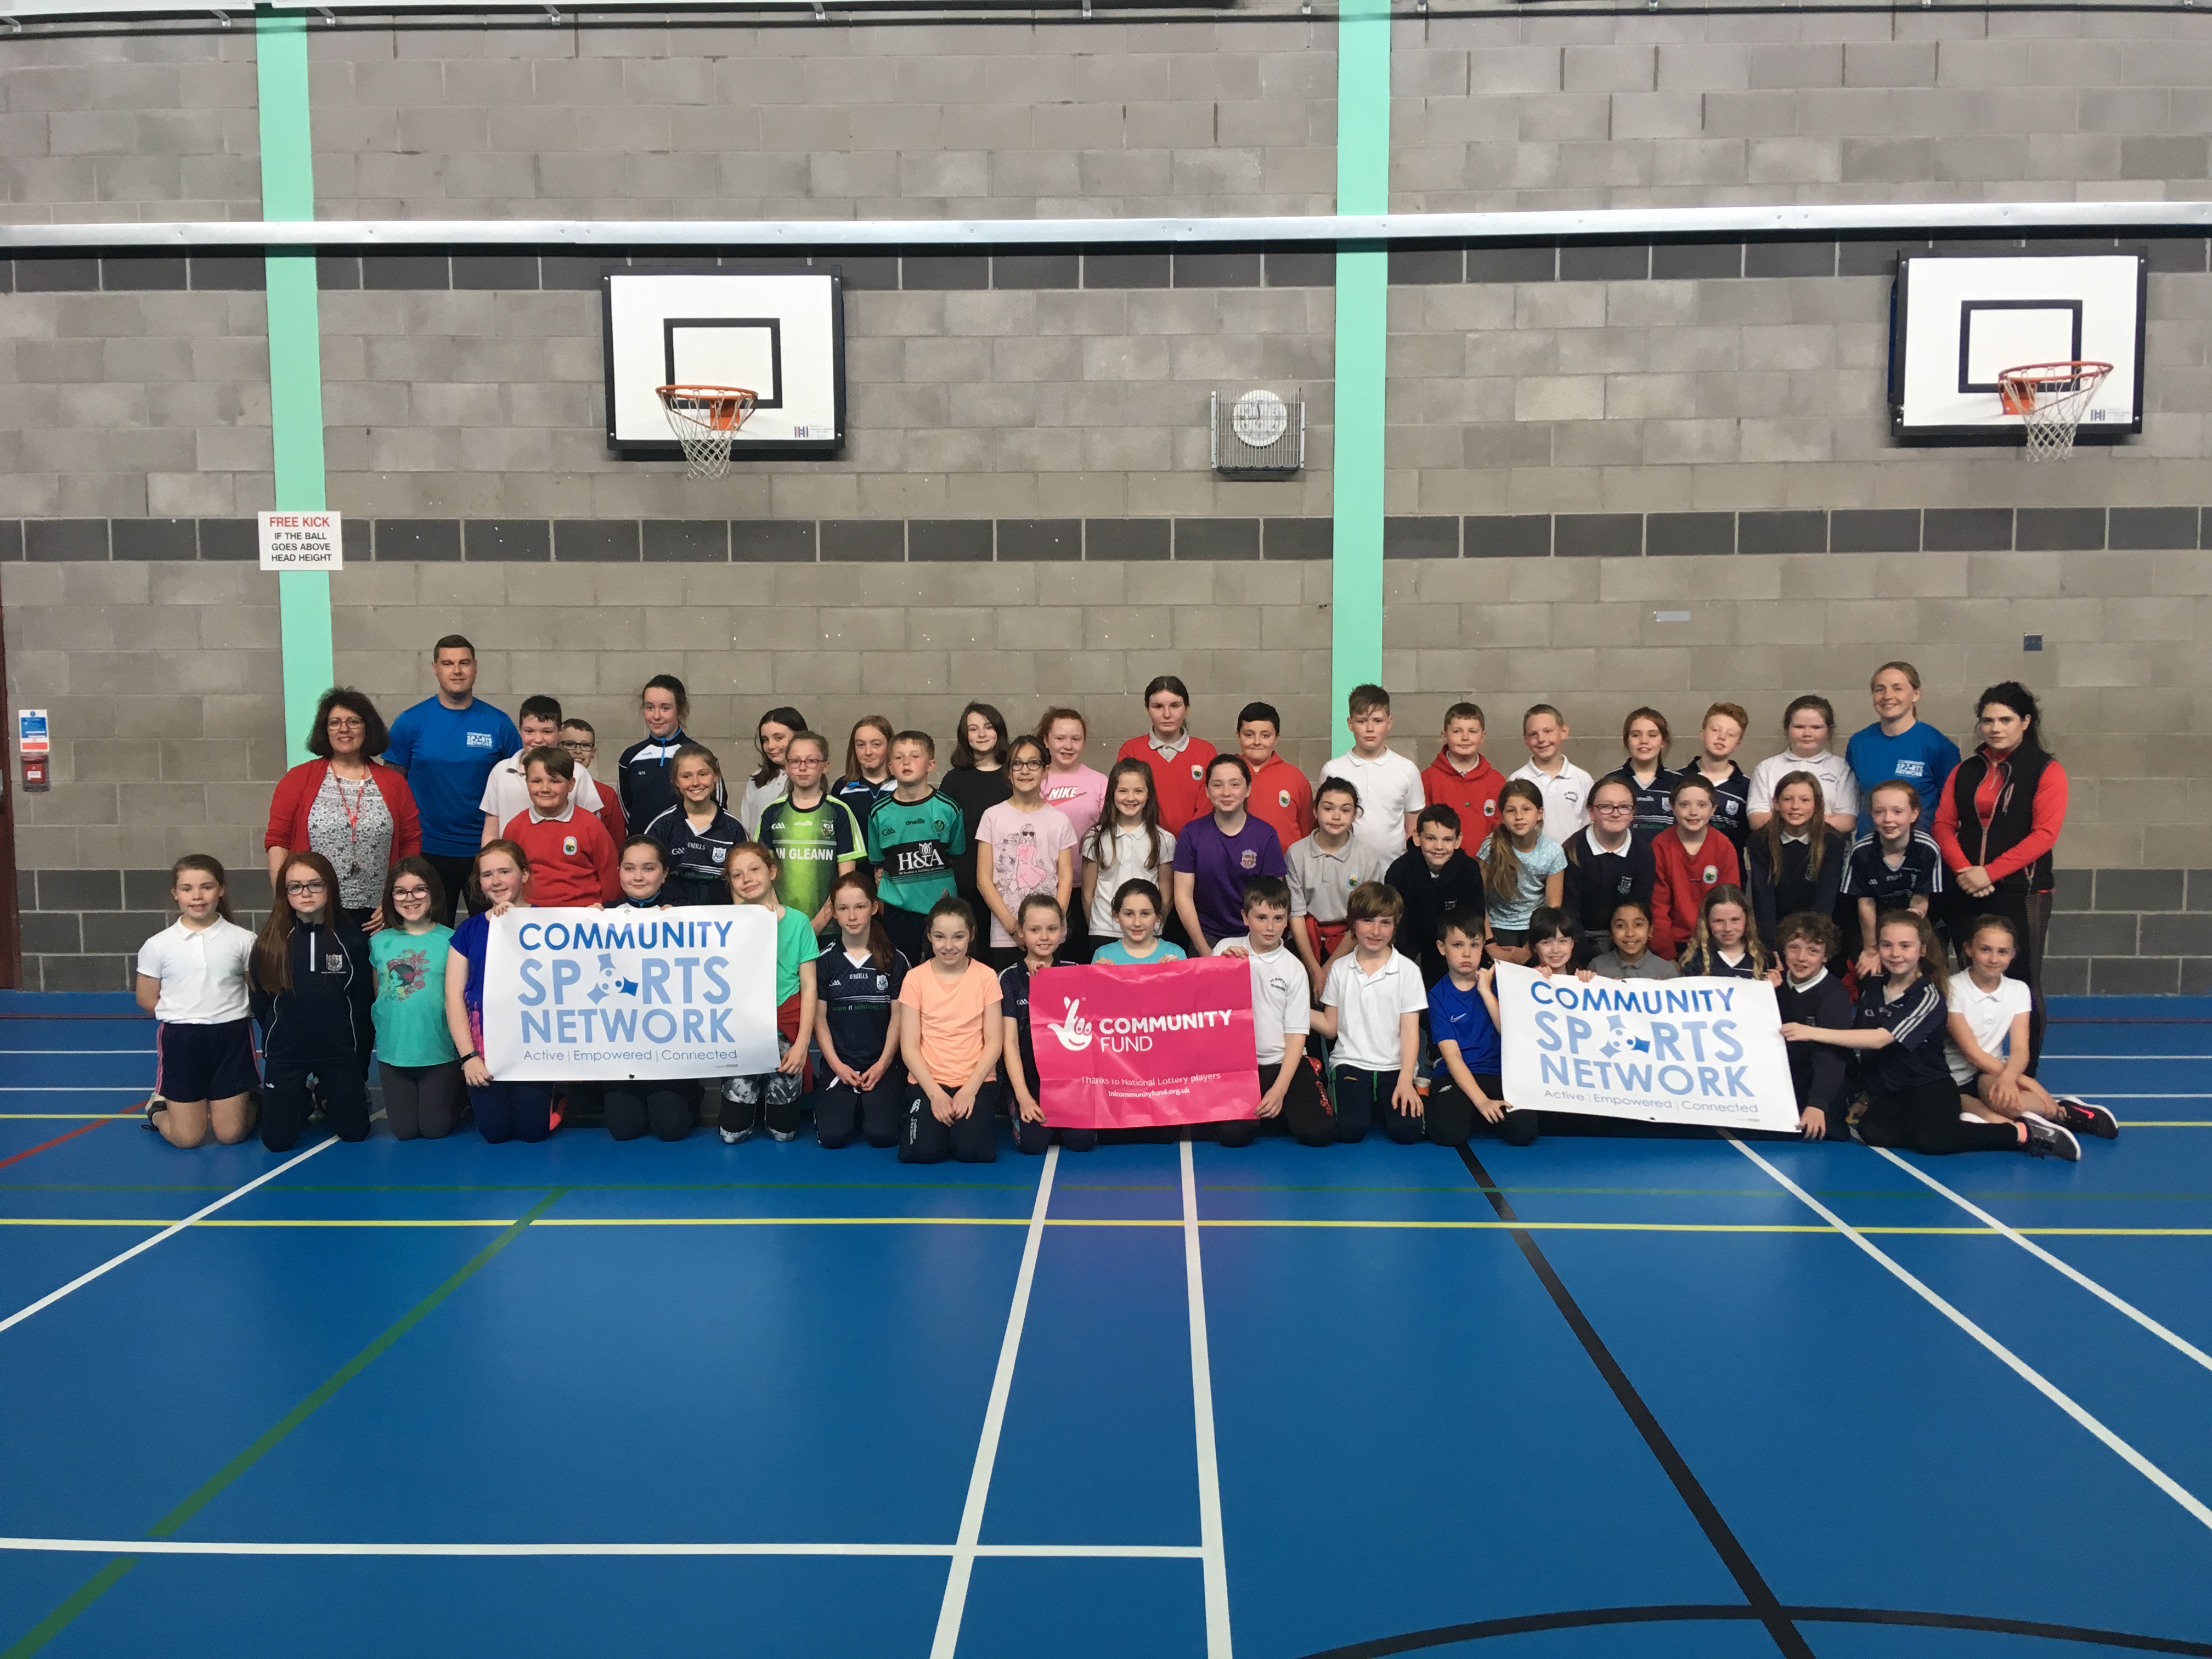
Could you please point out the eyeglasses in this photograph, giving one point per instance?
(417, 891)
(579, 748)
(1025, 765)
(346, 723)
(1613, 806)
(302, 889)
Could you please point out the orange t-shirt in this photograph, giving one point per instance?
(951, 1018)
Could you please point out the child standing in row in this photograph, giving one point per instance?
(1127, 845)
(951, 1036)
(1178, 761)
(774, 1096)
(1281, 797)
(698, 831)
(1895, 866)
(813, 835)
(1687, 861)
(1434, 876)
(1391, 794)
(1041, 926)
(417, 1063)
(1023, 847)
(916, 835)
(192, 978)
(1460, 777)
(1077, 792)
(1522, 868)
(312, 990)
(1565, 785)
(1371, 1009)
(867, 776)
(1323, 871)
(858, 978)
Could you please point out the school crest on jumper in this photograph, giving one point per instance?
(1282, 798)
(1248, 859)
(1711, 874)
(568, 845)
(1197, 773)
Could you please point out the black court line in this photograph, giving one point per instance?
(1764, 1605)
(1449, 1635)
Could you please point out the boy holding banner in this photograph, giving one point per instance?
(1371, 1007)
(1282, 1016)
(1463, 1024)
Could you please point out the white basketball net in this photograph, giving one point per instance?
(2050, 400)
(705, 420)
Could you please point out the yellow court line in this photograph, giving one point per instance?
(1007, 1221)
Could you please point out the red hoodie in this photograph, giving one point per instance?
(1682, 883)
(1473, 795)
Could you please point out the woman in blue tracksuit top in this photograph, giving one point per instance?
(311, 990)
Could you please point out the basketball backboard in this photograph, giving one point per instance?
(1958, 319)
(778, 332)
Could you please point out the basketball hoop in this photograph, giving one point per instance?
(2051, 398)
(705, 420)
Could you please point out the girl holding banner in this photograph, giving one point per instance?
(1041, 926)
(504, 1111)
(951, 1036)
(667, 1106)
(1137, 910)
(775, 1095)
(1904, 1018)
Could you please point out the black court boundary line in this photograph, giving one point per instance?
(1763, 1604)
(1451, 1635)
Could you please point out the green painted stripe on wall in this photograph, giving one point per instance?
(295, 361)
(1363, 295)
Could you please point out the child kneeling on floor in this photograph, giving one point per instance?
(1371, 1008)
(1466, 1090)
(192, 978)
(951, 1035)
(1281, 1018)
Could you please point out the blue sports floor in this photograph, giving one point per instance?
(1634, 1397)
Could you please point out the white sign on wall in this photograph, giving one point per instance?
(301, 541)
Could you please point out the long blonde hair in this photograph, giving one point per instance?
(1501, 859)
(1816, 831)
(1700, 952)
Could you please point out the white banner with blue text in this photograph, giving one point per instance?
(574, 996)
(1664, 1051)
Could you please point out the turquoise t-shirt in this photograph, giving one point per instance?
(794, 944)
(411, 996)
(1163, 950)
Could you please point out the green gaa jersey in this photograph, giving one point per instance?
(913, 844)
(808, 842)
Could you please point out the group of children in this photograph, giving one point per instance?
(1365, 917)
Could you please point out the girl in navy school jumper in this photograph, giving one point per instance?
(1904, 1018)
(667, 1106)
(312, 991)
(645, 775)
(856, 1023)
(698, 831)
(1645, 736)
(1796, 862)
(1725, 944)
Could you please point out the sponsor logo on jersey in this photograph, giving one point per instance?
(476, 739)
(1248, 860)
(1912, 768)
(568, 845)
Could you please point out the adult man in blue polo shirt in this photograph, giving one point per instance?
(447, 745)
(1898, 745)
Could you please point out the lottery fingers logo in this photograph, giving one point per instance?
(1072, 1031)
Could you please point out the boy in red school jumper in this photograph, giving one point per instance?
(1460, 778)
(1281, 797)
(572, 860)
(1178, 760)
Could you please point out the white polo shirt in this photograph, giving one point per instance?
(1839, 790)
(1279, 1002)
(1566, 798)
(1390, 791)
(507, 793)
(203, 972)
(1368, 1006)
(1989, 1015)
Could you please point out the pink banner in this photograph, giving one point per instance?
(1121, 1047)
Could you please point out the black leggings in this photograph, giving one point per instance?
(1034, 1138)
(1453, 1118)
(340, 1078)
(667, 1107)
(1925, 1119)
(1305, 1115)
(422, 1102)
(970, 1140)
(454, 875)
(878, 1114)
(1364, 1097)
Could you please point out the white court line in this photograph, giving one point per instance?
(967, 1548)
(186, 1546)
(2035, 1379)
(168, 1232)
(1215, 1556)
(2179, 1343)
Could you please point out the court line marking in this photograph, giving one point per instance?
(1216, 1557)
(190, 1547)
(69, 1134)
(168, 1231)
(1376, 1226)
(66, 1117)
(950, 1610)
(2180, 1344)
(2028, 1373)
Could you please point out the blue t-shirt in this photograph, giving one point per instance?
(447, 754)
(1920, 756)
(1116, 952)
(1221, 867)
(1457, 1016)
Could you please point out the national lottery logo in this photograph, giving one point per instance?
(1072, 1031)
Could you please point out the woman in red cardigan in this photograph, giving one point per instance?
(1996, 821)
(356, 811)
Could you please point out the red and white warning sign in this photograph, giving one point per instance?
(301, 541)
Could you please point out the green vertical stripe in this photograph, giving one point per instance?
(295, 359)
(1362, 294)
